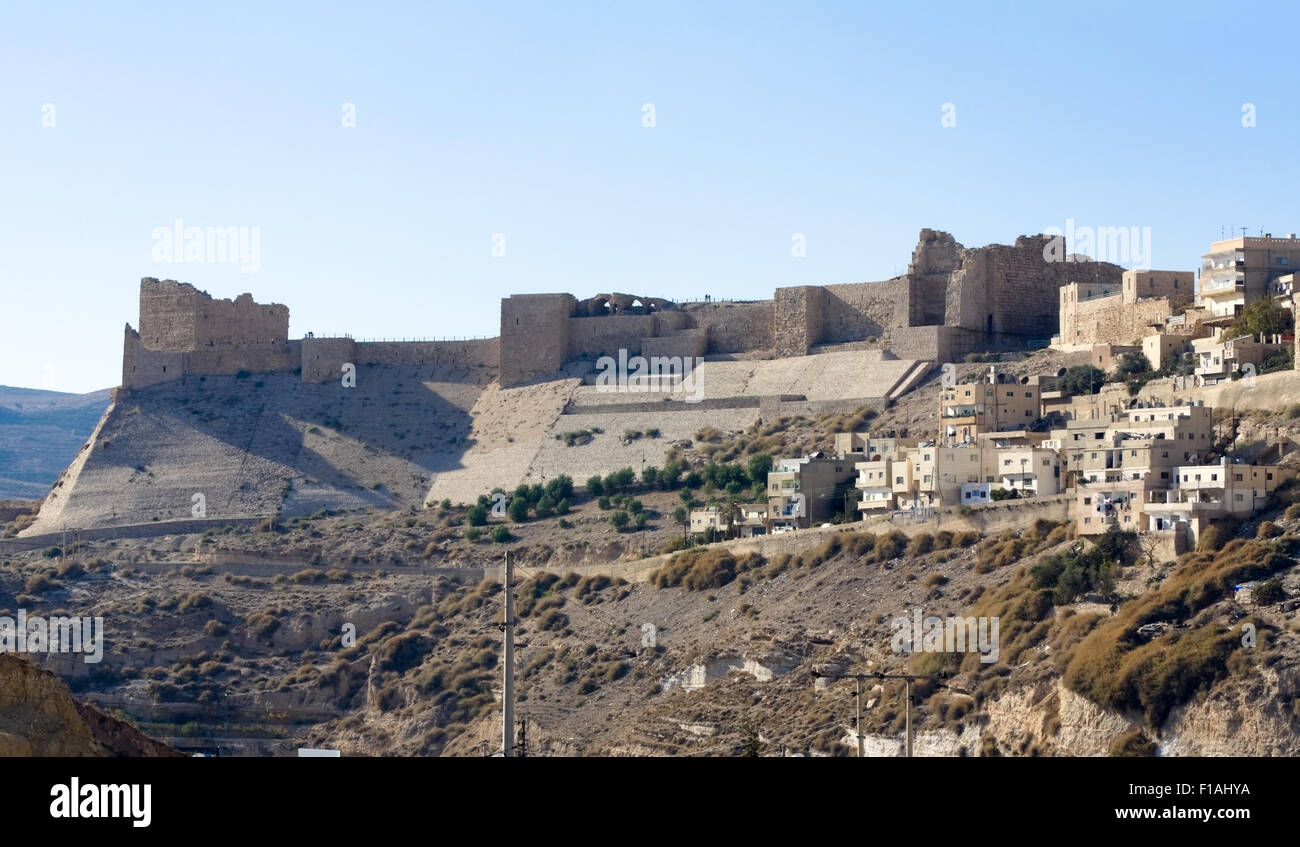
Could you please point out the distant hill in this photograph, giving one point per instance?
(40, 433)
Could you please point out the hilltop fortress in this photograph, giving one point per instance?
(952, 301)
(222, 417)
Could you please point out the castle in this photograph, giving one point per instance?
(953, 300)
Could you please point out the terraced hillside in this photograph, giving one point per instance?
(262, 445)
(269, 445)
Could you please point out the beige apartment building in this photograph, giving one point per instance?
(1221, 359)
(933, 475)
(1130, 444)
(806, 492)
(1203, 494)
(741, 521)
(887, 444)
(998, 402)
(1237, 271)
(1159, 347)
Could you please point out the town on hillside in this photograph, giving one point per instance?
(1090, 435)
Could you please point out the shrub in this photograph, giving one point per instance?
(920, 544)
(1133, 743)
(936, 580)
(501, 534)
(472, 533)
(595, 487)
(701, 570)
(1268, 592)
(619, 520)
(1267, 529)
(1082, 379)
(553, 620)
(37, 584)
(518, 509)
(477, 515)
(890, 546)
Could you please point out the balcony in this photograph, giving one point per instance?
(1223, 283)
(1223, 263)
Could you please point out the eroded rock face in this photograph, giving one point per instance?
(39, 717)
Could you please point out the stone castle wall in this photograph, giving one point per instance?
(605, 336)
(534, 339)
(797, 314)
(734, 327)
(855, 311)
(1110, 320)
(687, 343)
(953, 300)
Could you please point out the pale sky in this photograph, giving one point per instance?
(528, 121)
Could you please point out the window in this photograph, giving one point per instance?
(927, 479)
(1237, 477)
(1237, 497)
(1087, 501)
(898, 480)
(1006, 462)
(1087, 520)
(1164, 474)
(1268, 475)
(1214, 477)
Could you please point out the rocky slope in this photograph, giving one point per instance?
(39, 717)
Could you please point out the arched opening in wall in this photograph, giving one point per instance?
(639, 308)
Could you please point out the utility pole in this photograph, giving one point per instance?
(508, 665)
(906, 677)
(861, 750)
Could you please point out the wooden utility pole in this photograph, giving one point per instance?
(508, 665)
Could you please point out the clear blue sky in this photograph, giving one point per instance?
(526, 120)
